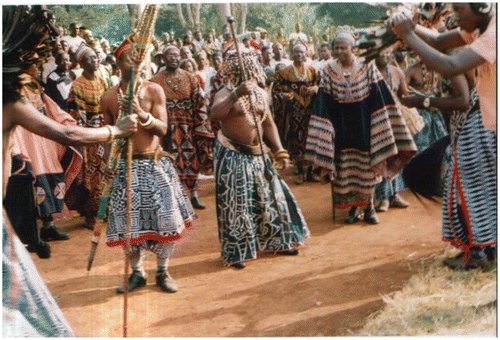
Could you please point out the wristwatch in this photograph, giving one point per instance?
(426, 102)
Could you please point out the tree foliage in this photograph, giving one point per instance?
(352, 13)
(113, 21)
(109, 21)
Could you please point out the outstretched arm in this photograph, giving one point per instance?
(24, 114)
(440, 41)
(447, 65)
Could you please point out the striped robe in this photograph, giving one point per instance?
(470, 191)
(357, 133)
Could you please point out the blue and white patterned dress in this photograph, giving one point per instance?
(28, 308)
(254, 213)
(161, 211)
(470, 191)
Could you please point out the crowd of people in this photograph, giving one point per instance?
(243, 111)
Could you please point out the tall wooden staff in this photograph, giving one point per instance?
(142, 39)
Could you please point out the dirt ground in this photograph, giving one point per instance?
(328, 290)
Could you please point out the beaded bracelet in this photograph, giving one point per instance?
(148, 121)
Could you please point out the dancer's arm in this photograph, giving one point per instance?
(24, 114)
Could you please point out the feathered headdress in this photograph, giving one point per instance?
(376, 39)
(230, 71)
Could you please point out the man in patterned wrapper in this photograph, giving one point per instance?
(161, 212)
(255, 209)
(189, 135)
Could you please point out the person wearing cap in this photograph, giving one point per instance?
(163, 213)
(74, 39)
(280, 39)
(357, 135)
(189, 134)
(210, 46)
(217, 41)
(39, 160)
(83, 103)
(204, 70)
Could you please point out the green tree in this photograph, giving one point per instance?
(109, 21)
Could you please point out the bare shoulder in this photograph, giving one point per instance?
(150, 86)
(153, 90)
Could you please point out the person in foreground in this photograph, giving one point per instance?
(28, 308)
(470, 192)
(255, 209)
(161, 211)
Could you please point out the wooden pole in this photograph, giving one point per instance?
(267, 173)
(128, 227)
(230, 20)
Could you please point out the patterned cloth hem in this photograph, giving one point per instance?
(299, 245)
(154, 237)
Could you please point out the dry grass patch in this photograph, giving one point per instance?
(440, 301)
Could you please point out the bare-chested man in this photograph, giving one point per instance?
(255, 209)
(161, 211)
(26, 298)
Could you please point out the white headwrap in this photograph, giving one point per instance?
(346, 33)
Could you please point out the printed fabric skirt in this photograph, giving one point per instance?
(253, 213)
(470, 191)
(161, 212)
(28, 308)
